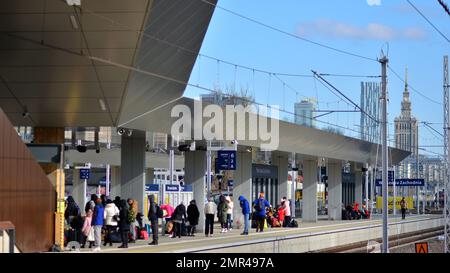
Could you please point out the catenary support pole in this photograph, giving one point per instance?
(384, 61)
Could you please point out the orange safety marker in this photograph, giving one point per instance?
(421, 247)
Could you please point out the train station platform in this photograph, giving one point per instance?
(308, 237)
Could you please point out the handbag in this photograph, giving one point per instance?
(91, 236)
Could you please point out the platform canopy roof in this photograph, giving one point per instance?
(77, 66)
(95, 65)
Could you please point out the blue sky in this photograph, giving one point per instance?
(350, 25)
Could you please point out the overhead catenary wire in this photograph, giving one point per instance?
(290, 34)
(411, 87)
(444, 6)
(429, 22)
(347, 98)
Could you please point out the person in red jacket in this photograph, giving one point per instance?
(281, 214)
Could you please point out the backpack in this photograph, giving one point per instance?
(260, 205)
(293, 223)
(159, 212)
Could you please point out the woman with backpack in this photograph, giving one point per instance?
(260, 205)
(222, 210)
(193, 216)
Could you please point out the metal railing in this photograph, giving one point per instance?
(11, 231)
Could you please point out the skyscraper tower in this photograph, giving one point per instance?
(406, 126)
(370, 103)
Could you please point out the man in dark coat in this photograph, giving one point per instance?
(124, 225)
(153, 218)
(193, 216)
(179, 217)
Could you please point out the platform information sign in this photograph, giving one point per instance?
(403, 182)
(85, 173)
(226, 160)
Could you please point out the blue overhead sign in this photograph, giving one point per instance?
(151, 187)
(176, 188)
(403, 182)
(85, 173)
(226, 160)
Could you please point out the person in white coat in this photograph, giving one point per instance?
(229, 212)
(210, 211)
(111, 215)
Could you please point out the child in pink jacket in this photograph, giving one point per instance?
(87, 230)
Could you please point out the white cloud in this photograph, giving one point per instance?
(374, 2)
(372, 31)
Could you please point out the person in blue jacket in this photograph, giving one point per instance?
(260, 205)
(246, 212)
(97, 223)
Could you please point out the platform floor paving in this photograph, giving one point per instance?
(199, 241)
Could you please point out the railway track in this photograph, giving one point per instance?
(372, 246)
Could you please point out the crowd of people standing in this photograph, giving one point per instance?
(119, 220)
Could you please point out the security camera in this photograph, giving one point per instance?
(25, 114)
(121, 131)
(81, 148)
(235, 144)
(97, 150)
(192, 147)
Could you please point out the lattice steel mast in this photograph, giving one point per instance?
(446, 186)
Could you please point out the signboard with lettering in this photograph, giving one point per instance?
(264, 171)
(85, 173)
(403, 182)
(176, 188)
(230, 183)
(226, 160)
(151, 187)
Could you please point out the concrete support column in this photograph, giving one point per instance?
(281, 161)
(194, 174)
(358, 184)
(334, 191)
(133, 167)
(242, 183)
(115, 182)
(150, 175)
(79, 189)
(309, 207)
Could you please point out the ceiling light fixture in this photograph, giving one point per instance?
(102, 104)
(73, 2)
(74, 22)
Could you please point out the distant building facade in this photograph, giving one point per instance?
(304, 112)
(370, 103)
(406, 126)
